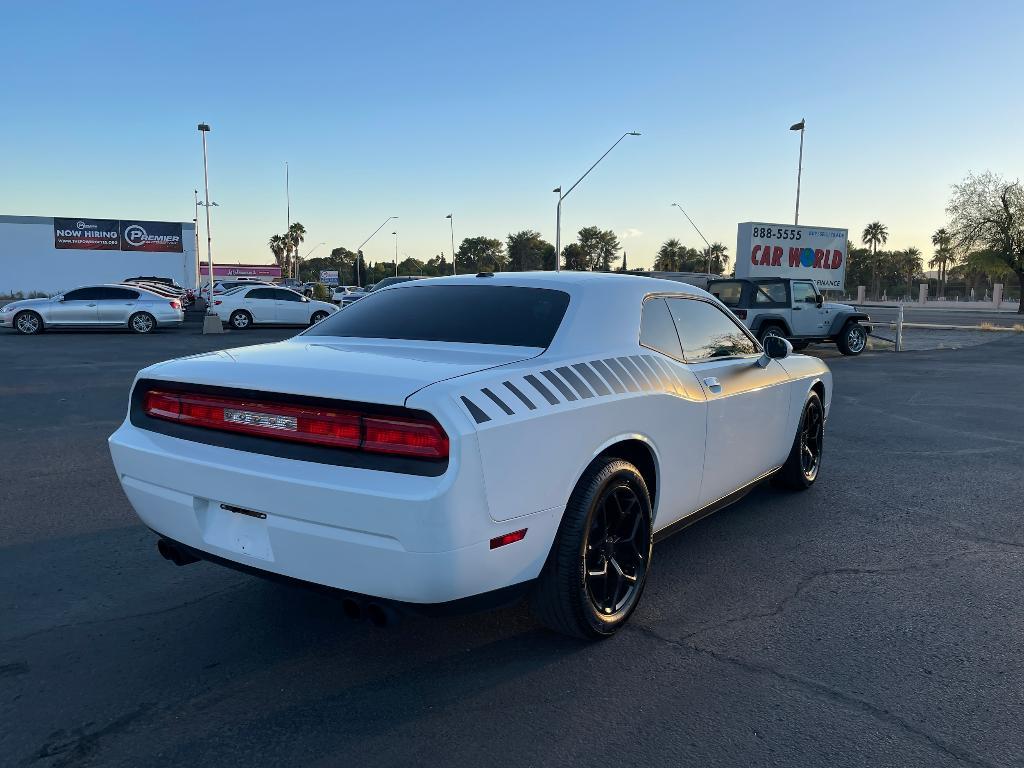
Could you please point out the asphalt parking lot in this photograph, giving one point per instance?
(872, 621)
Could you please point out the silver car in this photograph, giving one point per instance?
(111, 306)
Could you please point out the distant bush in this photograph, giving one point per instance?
(321, 292)
(12, 296)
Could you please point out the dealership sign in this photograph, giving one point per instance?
(787, 250)
(115, 235)
(329, 276)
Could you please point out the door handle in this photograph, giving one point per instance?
(797, 307)
(712, 384)
(90, 305)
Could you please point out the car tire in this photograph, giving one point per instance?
(852, 339)
(799, 346)
(240, 320)
(578, 590)
(804, 461)
(28, 323)
(771, 329)
(317, 317)
(142, 322)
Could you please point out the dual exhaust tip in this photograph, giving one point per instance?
(378, 614)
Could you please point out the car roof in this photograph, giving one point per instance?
(604, 309)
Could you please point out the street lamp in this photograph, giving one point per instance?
(359, 250)
(799, 166)
(677, 205)
(561, 197)
(451, 227)
(211, 323)
(396, 253)
(196, 222)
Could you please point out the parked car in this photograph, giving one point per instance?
(186, 296)
(292, 283)
(115, 306)
(246, 306)
(794, 310)
(223, 286)
(168, 281)
(340, 292)
(461, 441)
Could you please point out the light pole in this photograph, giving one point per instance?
(195, 221)
(211, 323)
(561, 197)
(677, 205)
(204, 204)
(799, 166)
(451, 227)
(359, 250)
(396, 253)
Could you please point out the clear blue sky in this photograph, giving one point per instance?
(418, 109)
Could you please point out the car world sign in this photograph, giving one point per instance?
(115, 235)
(787, 250)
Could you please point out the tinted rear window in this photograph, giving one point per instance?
(727, 293)
(469, 314)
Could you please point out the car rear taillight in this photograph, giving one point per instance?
(175, 305)
(218, 301)
(393, 435)
(740, 313)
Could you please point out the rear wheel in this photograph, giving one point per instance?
(240, 320)
(317, 317)
(804, 461)
(853, 338)
(772, 329)
(28, 323)
(142, 322)
(597, 568)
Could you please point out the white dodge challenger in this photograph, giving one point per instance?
(461, 442)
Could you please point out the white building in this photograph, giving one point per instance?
(47, 254)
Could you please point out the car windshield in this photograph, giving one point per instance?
(469, 314)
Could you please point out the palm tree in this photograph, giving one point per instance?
(912, 264)
(943, 242)
(668, 256)
(719, 257)
(296, 235)
(278, 247)
(874, 235)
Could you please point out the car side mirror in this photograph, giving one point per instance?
(775, 348)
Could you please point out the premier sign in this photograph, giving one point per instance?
(115, 235)
(787, 250)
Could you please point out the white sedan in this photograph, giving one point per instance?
(245, 306)
(465, 441)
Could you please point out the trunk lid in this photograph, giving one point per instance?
(362, 370)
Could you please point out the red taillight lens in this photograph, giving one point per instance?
(175, 305)
(218, 301)
(508, 538)
(304, 424)
(405, 437)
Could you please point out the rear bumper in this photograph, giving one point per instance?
(396, 537)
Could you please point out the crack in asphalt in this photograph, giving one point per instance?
(127, 617)
(807, 581)
(830, 693)
(66, 748)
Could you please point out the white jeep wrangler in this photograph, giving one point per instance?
(794, 310)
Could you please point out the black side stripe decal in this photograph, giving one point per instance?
(515, 391)
(498, 402)
(475, 411)
(575, 382)
(629, 365)
(626, 379)
(534, 382)
(613, 381)
(559, 385)
(595, 382)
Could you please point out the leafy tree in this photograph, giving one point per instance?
(874, 235)
(669, 256)
(719, 259)
(279, 247)
(574, 257)
(943, 243)
(910, 261)
(480, 254)
(410, 266)
(601, 248)
(527, 251)
(987, 210)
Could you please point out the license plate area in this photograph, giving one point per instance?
(234, 528)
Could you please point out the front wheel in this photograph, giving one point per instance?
(804, 461)
(597, 568)
(240, 320)
(28, 323)
(853, 339)
(317, 317)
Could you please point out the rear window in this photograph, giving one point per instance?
(727, 293)
(468, 314)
